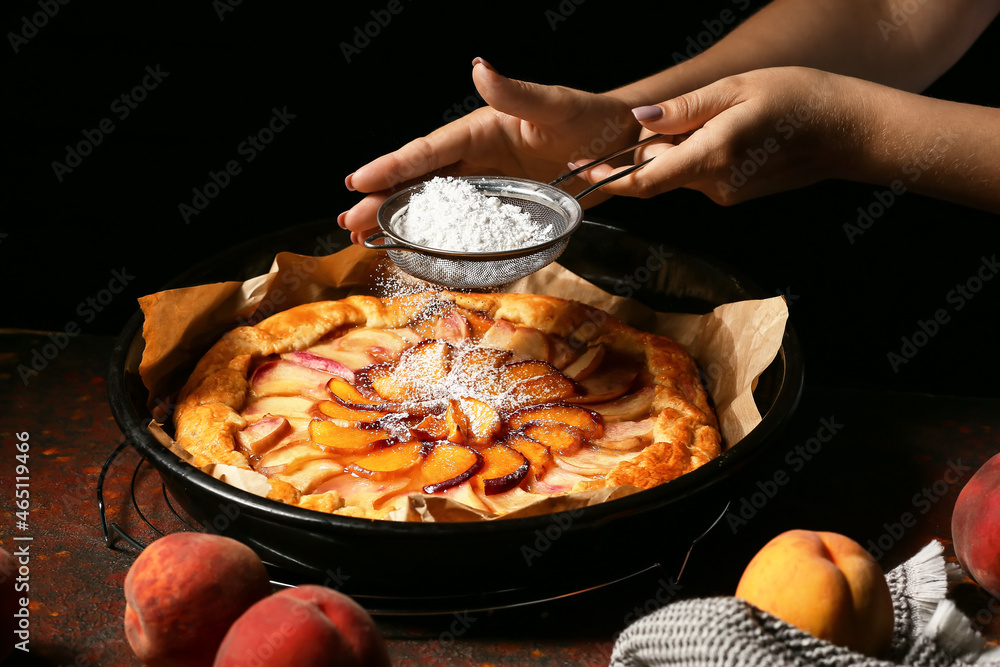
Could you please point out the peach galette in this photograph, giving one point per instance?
(492, 400)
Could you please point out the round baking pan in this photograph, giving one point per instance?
(446, 566)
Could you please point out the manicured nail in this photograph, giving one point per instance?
(479, 61)
(348, 182)
(647, 113)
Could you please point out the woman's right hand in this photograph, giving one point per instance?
(528, 131)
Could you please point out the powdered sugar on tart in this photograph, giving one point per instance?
(492, 400)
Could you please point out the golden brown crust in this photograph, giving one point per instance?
(685, 435)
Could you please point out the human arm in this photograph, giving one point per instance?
(775, 129)
(906, 44)
(532, 131)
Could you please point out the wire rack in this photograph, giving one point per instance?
(144, 504)
(113, 531)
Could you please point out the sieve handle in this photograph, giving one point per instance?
(613, 177)
(371, 244)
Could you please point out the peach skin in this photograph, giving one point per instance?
(183, 592)
(823, 583)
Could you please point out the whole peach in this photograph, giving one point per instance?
(308, 626)
(9, 604)
(184, 591)
(825, 584)
(975, 526)
(354, 623)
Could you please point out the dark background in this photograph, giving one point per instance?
(230, 66)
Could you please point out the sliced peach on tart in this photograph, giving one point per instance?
(456, 423)
(293, 408)
(544, 389)
(352, 359)
(418, 375)
(588, 421)
(262, 435)
(558, 437)
(310, 474)
(588, 362)
(381, 382)
(524, 342)
(503, 469)
(354, 437)
(479, 322)
(480, 367)
(389, 462)
(320, 363)
(608, 382)
(635, 405)
(381, 344)
(539, 456)
(289, 457)
(286, 378)
(428, 361)
(528, 369)
(481, 419)
(627, 435)
(355, 413)
(452, 327)
(409, 336)
(348, 394)
(448, 465)
(430, 427)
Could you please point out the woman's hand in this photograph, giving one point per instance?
(528, 131)
(749, 135)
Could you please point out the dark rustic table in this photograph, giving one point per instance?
(883, 468)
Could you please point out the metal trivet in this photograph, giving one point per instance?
(375, 604)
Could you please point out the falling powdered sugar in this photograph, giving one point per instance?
(451, 214)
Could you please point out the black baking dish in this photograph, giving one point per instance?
(476, 562)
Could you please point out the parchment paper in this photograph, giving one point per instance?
(733, 345)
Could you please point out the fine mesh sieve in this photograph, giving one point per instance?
(546, 204)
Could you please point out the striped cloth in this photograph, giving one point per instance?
(929, 630)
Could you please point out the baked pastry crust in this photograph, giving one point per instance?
(664, 426)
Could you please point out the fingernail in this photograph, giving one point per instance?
(647, 113)
(348, 182)
(479, 61)
(342, 220)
